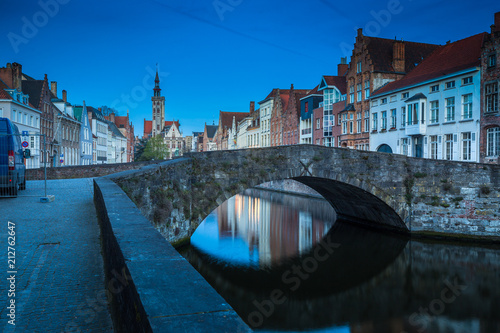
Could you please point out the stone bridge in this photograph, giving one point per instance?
(384, 191)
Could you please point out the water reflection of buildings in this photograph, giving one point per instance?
(277, 226)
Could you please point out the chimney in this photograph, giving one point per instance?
(291, 87)
(360, 32)
(398, 56)
(112, 117)
(496, 26)
(99, 109)
(342, 67)
(252, 107)
(53, 88)
(64, 96)
(17, 76)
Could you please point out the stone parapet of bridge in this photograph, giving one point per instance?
(380, 190)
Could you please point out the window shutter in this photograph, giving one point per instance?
(473, 149)
(455, 147)
(440, 148)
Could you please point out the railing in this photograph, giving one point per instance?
(306, 131)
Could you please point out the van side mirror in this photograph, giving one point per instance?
(27, 153)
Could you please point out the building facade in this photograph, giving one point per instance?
(308, 104)
(86, 150)
(434, 111)
(100, 130)
(158, 102)
(374, 63)
(490, 95)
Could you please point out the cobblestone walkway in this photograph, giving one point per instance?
(59, 284)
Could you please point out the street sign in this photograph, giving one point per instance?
(61, 161)
(25, 133)
(25, 144)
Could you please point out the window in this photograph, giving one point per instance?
(466, 146)
(493, 141)
(351, 94)
(383, 122)
(367, 89)
(467, 106)
(405, 95)
(374, 121)
(467, 80)
(404, 146)
(358, 90)
(375, 102)
(318, 123)
(435, 88)
(434, 146)
(450, 109)
(351, 127)
(14, 115)
(358, 122)
(306, 107)
(393, 119)
(19, 117)
(383, 101)
(413, 114)
(392, 98)
(1, 112)
(344, 127)
(450, 84)
(358, 67)
(403, 116)
(434, 112)
(491, 96)
(492, 60)
(448, 142)
(367, 121)
(31, 120)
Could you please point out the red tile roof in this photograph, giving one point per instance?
(446, 59)
(381, 53)
(3, 93)
(226, 118)
(337, 81)
(148, 127)
(314, 92)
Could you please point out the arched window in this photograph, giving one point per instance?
(384, 149)
(493, 141)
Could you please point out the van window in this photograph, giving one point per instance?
(3, 126)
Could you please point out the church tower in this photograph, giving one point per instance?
(158, 108)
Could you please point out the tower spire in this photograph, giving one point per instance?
(157, 84)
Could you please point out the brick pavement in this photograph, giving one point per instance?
(60, 277)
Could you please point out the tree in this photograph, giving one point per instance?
(155, 149)
(106, 111)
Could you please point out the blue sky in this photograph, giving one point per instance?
(212, 54)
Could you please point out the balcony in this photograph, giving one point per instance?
(416, 128)
(306, 131)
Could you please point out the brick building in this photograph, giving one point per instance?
(490, 81)
(127, 129)
(374, 62)
(40, 98)
(317, 135)
(291, 117)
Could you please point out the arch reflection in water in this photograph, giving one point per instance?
(262, 228)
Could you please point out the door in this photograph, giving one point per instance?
(418, 151)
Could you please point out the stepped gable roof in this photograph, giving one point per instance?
(121, 121)
(211, 129)
(33, 88)
(447, 59)
(381, 53)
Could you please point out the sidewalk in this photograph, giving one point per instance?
(59, 279)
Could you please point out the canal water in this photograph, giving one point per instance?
(285, 263)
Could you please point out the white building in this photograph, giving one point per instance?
(15, 106)
(266, 110)
(100, 130)
(434, 111)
